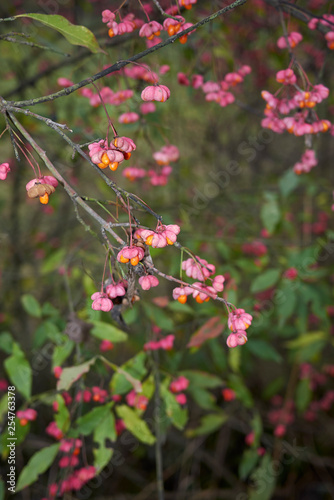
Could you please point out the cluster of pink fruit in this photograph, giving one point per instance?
(294, 111)
(302, 103)
(133, 254)
(152, 29)
(165, 343)
(327, 21)
(216, 91)
(199, 269)
(159, 175)
(104, 155)
(4, 170)
(238, 322)
(102, 301)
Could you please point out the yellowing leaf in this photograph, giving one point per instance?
(135, 425)
(70, 375)
(209, 423)
(306, 339)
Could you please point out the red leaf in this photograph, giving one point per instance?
(211, 329)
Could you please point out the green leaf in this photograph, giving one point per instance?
(21, 431)
(54, 260)
(211, 329)
(177, 415)
(270, 214)
(49, 310)
(306, 339)
(203, 398)
(159, 317)
(135, 425)
(234, 358)
(223, 249)
(135, 367)
(147, 388)
(246, 265)
(2, 490)
(288, 182)
(102, 456)
(286, 300)
(31, 305)
(87, 423)
(19, 371)
(46, 330)
(3, 405)
(265, 280)
(310, 352)
(263, 350)
(237, 384)
(134, 382)
(302, 313)
(202, 379)
(105, 430)
(209, 423)
(184, 309)
(62, 352)
(76, 35)
(51, 331)
(264, 479)
(218, 354)
(6, 342)
(274, 387)
(233, 294)
(70, 375)
(303, 394)
(256, 425)
(312, 293)
(130, 315)
(248, 461)
(62, 416)
(106, 331)
(38, 464)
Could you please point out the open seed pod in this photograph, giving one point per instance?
(40, 190)
(140, 244)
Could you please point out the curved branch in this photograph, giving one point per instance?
(82, 54)
(297, 12)
(168, 277)
(120, 64)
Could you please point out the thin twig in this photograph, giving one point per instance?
(285, 34)
(162, 12)
(82, 222)
(298, 12)
(184, 283)
(80, 56)
(7, 38)
(47, 121)
(12, 139)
